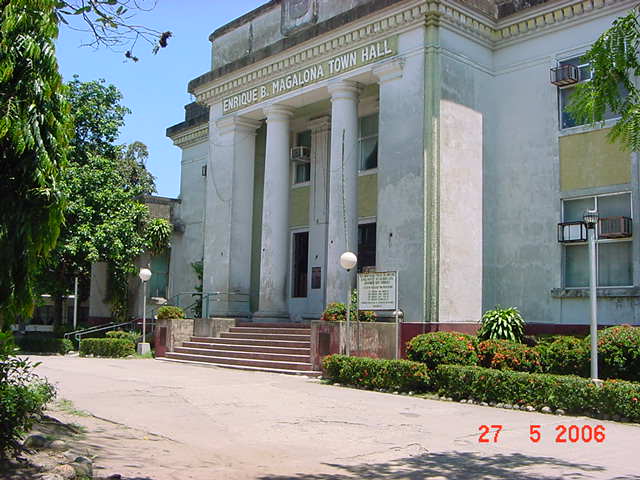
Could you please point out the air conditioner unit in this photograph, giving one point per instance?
(569, 232)
(614, 227)
(300, 154)
(565, 75)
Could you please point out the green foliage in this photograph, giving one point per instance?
(168, 312)
(337, 311)
(615, 66)
(508, 355)
(564, 355)
(158, 233)
(570, 393)
(376, 373)
(619, 352)
(33, 343)
(502, 324)
(133, 337)
(107, 347)
(23, 396)
(437, 348)
(34, 132)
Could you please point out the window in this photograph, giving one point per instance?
(300, 264)
(614, 255)
(302, 170)
(368, 142)
(366, 246)
(564, 93)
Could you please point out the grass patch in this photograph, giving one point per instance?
(68, 407)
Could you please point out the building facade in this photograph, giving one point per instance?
(424, 135)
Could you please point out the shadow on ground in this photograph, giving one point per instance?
(460, 466)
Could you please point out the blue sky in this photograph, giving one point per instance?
(155, 88)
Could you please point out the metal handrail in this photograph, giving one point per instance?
(80, 333)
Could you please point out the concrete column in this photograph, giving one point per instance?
(274, 266)
(318, 208)
(227, 250)
(343, 186)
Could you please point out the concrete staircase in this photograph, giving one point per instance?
(270, 347)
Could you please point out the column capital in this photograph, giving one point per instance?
(344, 90)
(237, 123)
(278, 113)
(320, 124)
(389, 70)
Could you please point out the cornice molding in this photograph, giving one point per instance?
(438, 13)
(191, 136)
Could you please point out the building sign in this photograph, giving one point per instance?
(378, 291)
(315, 73)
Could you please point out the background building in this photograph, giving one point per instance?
(426, 135)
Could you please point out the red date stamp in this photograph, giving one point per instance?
(563, 433)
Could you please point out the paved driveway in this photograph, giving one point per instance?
(230, 424)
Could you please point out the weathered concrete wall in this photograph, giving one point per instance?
(212, 327)
(368, 339)
(256, 231)
(99, 309)
(177, 331)
(299, 207)
(367, 195)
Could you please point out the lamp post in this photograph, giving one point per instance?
(590, 219)
(348, 260)
(145, 275)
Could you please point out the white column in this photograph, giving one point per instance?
(274, 266)
(318, 208)
(227, 249)
(343, 185)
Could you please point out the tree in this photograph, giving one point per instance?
(34, 132)
(105, 221)
(615, 64)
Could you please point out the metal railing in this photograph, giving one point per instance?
(236, 301)
(78, 334)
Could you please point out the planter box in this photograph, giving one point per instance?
(368, 339)
(170, 333)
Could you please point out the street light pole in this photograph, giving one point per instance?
(145, 275)
(591, 221)
(348, 260)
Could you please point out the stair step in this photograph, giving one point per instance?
(302, 366)
(247, 341)
(279, 357)
(274, 325)
(215, 345)
(311, 373)
(266, 336)
(294, 331)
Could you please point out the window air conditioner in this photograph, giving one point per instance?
(569, 232)
(614, 227)
(565, 75)
(300, 154)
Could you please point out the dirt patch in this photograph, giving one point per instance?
(116, 451)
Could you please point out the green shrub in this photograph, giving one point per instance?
(376, 373)
(337, 312)
(502, 324)
(571, 393)
(107, 347)
(169, 312)
(31, 343)
(619, 352)
(508, 355)
(564, 355)
(23, 396)
(133, 337)
(441, 348)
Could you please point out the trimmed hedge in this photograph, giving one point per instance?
(169, 312)
(133, 337)
(619, 352)
(564, 355)
(43, 344)
(508, 355)
(570, 393)
(107, 347)
(442, 348)
(376, 373)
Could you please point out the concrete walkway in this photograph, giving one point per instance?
(228, 424)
